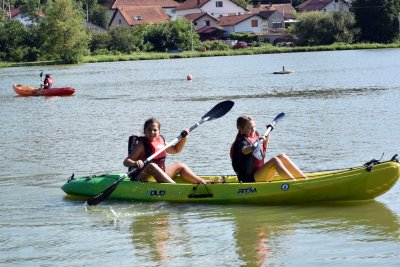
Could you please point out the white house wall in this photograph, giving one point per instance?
(201, 23)
(228, 8)
(245, 26)
(117, 19)
(25, 20)
(276, 19)
(182, 13)
(339, 6)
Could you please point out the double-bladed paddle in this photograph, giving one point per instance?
(216, 112)
(258, 152)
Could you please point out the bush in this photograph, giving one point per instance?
(245, 37)
(215, 45)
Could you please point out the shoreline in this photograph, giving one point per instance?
(189, 54)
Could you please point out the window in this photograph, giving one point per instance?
(219, 4)
(137, 17)
(120, 21)
(254, 23)
(207, 22)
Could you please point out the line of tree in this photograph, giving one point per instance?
(61, 34)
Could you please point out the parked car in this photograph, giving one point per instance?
(240, 45)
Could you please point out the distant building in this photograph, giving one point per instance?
(16, 14)
(324, 6)
(135, 15)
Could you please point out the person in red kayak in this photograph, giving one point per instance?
(149, 144)
(250, 169)
(48, 82)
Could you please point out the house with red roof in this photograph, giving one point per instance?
(201, 20)
(287, 10)
(324, 6)
(136, 15)
(216, 8)
(242, 23)
(167, 5)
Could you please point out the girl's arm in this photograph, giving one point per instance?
(132, 159)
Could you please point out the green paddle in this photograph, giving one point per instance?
(216, 112)
(257, 147)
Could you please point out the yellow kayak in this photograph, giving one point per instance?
(353, 184)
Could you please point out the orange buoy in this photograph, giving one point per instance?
(189, 77)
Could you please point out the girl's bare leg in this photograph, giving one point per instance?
(185, 172)
(157, 172)
(291, 167)
(269, 170)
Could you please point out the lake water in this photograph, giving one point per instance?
(342, 110)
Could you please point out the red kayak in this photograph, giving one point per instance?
(23, 90)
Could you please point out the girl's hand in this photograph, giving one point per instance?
(139, 164)
(185, 133)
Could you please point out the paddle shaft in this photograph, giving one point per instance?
(257, 153)
(173, 142)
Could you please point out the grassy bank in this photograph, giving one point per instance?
(188, 54)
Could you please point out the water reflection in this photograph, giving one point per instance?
(151, 233)
(253, 235)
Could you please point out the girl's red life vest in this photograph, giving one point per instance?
(48, 82)
(150, 147)
(245, 165)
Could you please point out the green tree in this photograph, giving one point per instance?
(176, 34)
(99, 16)
(12, 37)
(126, 40)
(30, 7)
(65, 35)
(324, 28)
(378, 20)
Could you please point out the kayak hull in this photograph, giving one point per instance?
(23, 90)
(353, 184)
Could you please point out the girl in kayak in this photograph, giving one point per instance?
(150, 143)
(250, 169)
(48, 82)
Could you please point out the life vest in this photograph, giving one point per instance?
(245, 165)
(150, 147)
(49, 82)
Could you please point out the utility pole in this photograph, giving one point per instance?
(87, 12)
(191, 31)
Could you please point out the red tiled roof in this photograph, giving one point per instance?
(286, 9)
(233, 20)
(190, 4)
(14, 11)
(313, 5)
(208, 29)
(136, 15)
(161, 3)
(196, 16)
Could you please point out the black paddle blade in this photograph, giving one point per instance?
(279, 117)
(219, 110)
(105, 194)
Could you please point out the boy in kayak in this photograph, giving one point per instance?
(250, 169)
(48, 82)
(149, 144)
